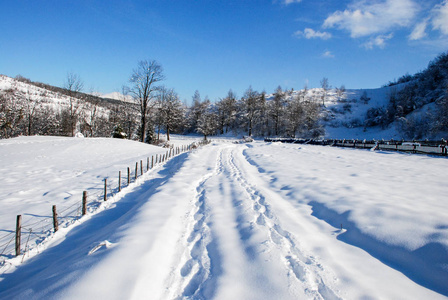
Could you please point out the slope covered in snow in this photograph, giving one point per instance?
(344, 112)
(234, 221)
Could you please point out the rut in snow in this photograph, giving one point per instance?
(304, 267)
(200, 255)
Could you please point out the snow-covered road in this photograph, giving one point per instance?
(220, 223)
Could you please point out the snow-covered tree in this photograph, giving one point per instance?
(276, 110)
(227, 108)
(208, 122)
(196, 110)
(249, 110)
(118, 132)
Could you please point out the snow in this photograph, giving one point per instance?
(339, 124)
(25, 90)
(118, 96)
(350, 124)
(228, 221)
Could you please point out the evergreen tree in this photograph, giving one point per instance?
(118, 132)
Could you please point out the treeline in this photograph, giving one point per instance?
(26, 110)
(29, 108)
(284, 114)
(426, 87)
(253, 114)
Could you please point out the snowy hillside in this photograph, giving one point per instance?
(344, 113)
(346, 116)
(25, 90)
(227, 221)
(30, 108)
(335, 113)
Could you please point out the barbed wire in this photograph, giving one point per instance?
(68, 214)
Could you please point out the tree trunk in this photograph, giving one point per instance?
(142, 133)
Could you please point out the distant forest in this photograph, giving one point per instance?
(30, 108)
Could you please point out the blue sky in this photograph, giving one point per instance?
(214, 46)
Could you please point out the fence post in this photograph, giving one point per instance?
(136, 170)
(152, 162)
(129, 176)
(141, 168)
(147, 164)
(84, 203)
(119, 181)
(105, 189)
(55, 219)
(18, 233)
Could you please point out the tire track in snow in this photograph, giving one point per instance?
(304, 267)
(192, 278)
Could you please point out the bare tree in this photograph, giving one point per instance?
(170, 110)
(74, 86)
(90, 116)
(144, 79)
(11, 114)
(31, 109)
(296, 112)
(325, 87)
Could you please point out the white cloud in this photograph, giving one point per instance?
(364, 18)
(309, 33)
(440, 17)
(419, 31)
(328, 54)
(287, 2)
(378, 41)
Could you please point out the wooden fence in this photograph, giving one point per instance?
(33, 232)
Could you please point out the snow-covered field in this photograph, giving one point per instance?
(228, 221)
